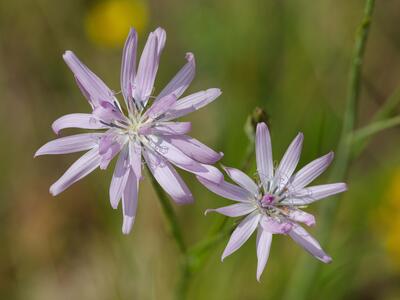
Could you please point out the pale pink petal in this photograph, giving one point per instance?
(227, 190)
(311, 194)
(107, 112)
(311, 171)
(178, 158)
(173, 128)
(288, 163)
(304, 239)
(191, 103)
(241, 234)
(298, 215)
(168, 178)
(70, 144)
(234, 210)
(129, 202)
(147, 69)
(79, 169)
(182, 80)
(194, 149)
(120, 177)
(277, 227)
(135, 158)
(128, 68)
(160, 106)
(93, 86)
(242, 179)
(84, 121)
(264, 240)
(161, 38)
(265, 167)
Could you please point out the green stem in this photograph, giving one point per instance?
(361, 134)
(169, 214)
(306, 271)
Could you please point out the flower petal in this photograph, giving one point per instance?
(172, 128)
(129, 202)
(227, 190)
(128, 68)
(311, 245)
(168, 178)
(160, 106)
(242, 179)
(288, 163)
(298, 215)
(93, 86)
(182, 79)
(234, 210)
(191, 103)
(120, 177)
(311, 171)
(84, 121)
(194, 149)
(241, 234)
(70, 144)
(135, 157)
(265, 167)
(148, 66)
(264, 240)
(271, 225)
(181, 160)
(79, 169)
(314, 193)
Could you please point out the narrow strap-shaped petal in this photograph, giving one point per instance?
(128, 68)
(298, 215)
(311, 171)
(79, 169)
(241, 234)
(181, 160)
(161, 38)
(84, 121)
(265, 167)
(172, 128)
(108, 113)
(160, 106)
(120, 177)
(93, 86)
(264, 240)
(242, 179)
(191, 103)
(234, 210)
(227, 190)
(135, 157)
(147, 69)
(314, 193)
(70, 144)
(129, 202)
(311, 245)
(288, 163)
(182, 79)
(194, 149)
(168, 178)
(271, 225)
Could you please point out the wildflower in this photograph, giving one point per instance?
(273, 205)
(146, 128)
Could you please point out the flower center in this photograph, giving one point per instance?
(267, 200)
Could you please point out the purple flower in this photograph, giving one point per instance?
(144, 128)
(273, 205)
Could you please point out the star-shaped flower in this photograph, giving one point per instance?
(273, 206)
(145, 127)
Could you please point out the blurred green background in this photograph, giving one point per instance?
(289, 57)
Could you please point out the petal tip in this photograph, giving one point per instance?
(327, 259)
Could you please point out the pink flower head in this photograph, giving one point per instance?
(273, 205)
(144, 128)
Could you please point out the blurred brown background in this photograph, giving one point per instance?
(289, 57)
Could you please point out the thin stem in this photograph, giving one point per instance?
(361, 134)
(305, 274)
(169, 214)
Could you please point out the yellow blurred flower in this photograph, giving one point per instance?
(108, 22)
(390, 226)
